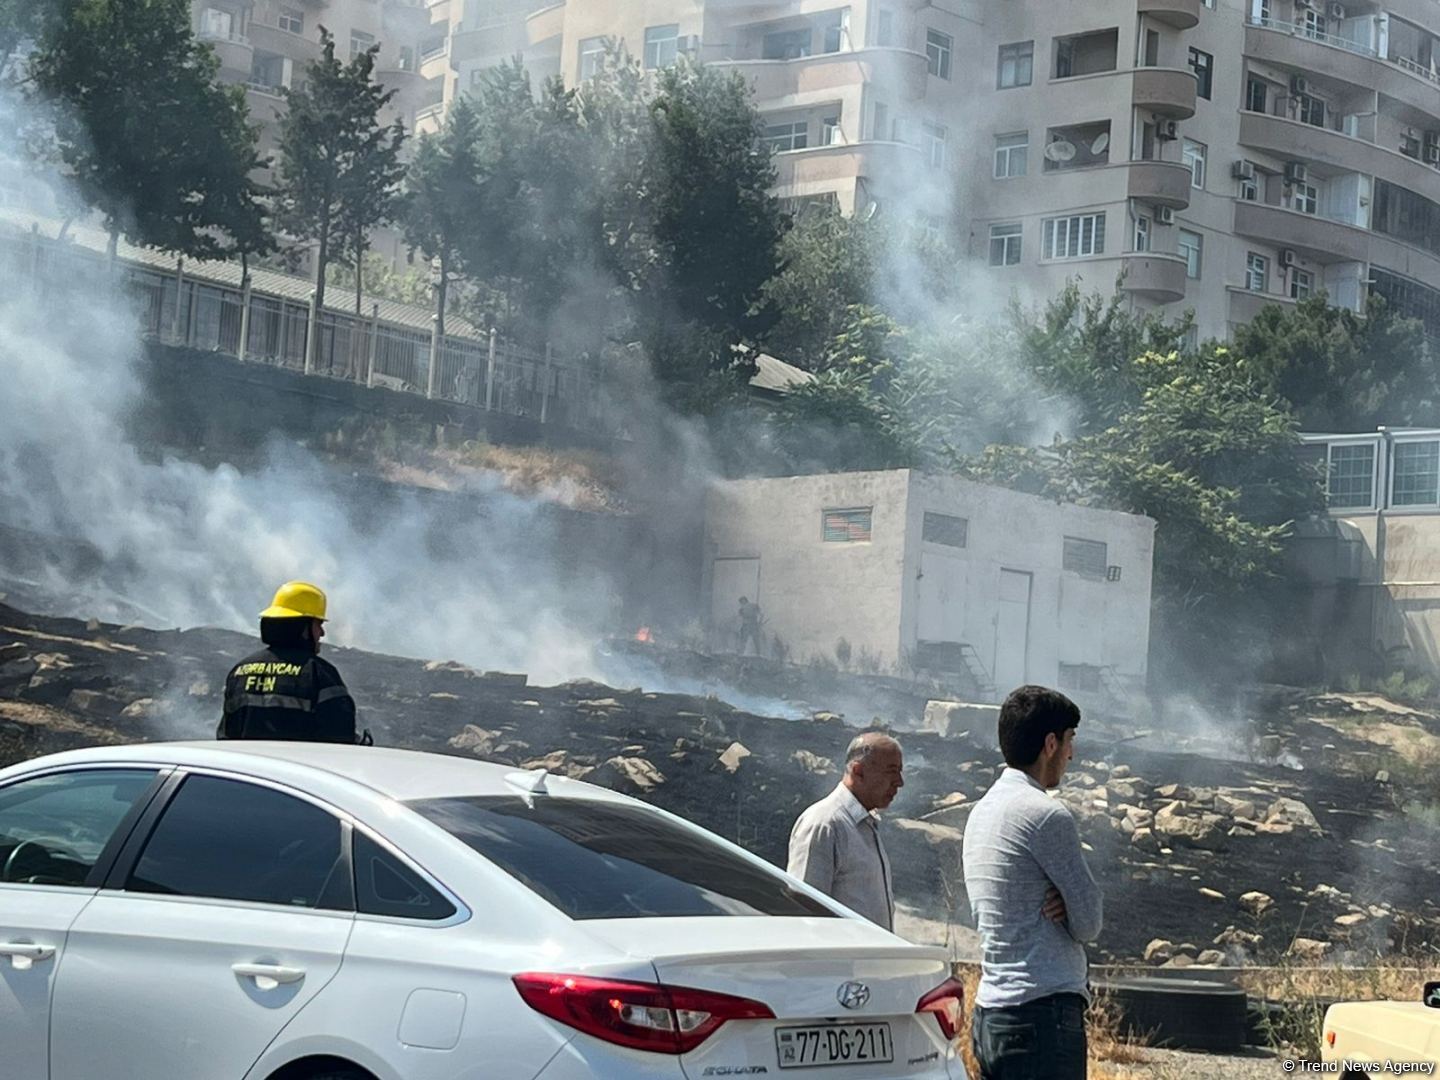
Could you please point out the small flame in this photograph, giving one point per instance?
(644, 635)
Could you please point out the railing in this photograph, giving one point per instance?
(1299, 29)
(265, 88)
(182, 306)
(1428, 73)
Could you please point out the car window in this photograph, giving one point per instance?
(604, 860)
(54, 827)
(231, 840)
(386, 886)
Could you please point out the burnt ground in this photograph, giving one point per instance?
(1358, 850)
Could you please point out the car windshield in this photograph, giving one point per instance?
(605, 860)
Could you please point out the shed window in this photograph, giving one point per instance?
(945, 529)
(1417, 474)
(1086, 557)
(1084, 678)
(846, 526)
(1352, 476)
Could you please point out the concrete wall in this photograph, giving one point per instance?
(890, 595)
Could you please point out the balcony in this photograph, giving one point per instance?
(234, 50)
(1296, 141)
(1245, 304)
(821, 76)
(1160, 183)
(1353, 63)
(1319, 239)
(1181, 14)
(498, 37)
(272, 39)
(828, 164)
(1168, 92)
(1154, 275)
(546, 25)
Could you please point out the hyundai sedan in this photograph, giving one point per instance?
(290, 911)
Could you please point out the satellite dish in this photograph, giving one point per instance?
(1060, 150)
(1101, 143)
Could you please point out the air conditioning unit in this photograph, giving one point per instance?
(1167, 130)
(1287, 258)
(1296, 172)
(1164, 215)
(1299, 84)
(1432, 155)
(690, 43)
(1337, 11)
(1243, 170)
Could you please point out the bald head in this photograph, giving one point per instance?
(874, 769)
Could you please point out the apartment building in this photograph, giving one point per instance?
(1220, 154)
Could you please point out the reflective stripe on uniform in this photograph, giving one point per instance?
(330, 693)
(273, 701)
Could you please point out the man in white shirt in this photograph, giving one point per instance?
(836, 846)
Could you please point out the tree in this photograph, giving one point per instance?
(338, 164)
(23, 26)
(441, 193)
(151, 140)
(1342, 371)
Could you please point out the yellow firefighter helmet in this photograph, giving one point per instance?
(296, 600)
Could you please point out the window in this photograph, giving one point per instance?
(834, 32)
(1305, 198)
(1142, 233)
(845, 526)
(605, 860)
(880, 122)
(360, 42)
(218, 23)
(1152, 49)
(1416, 479)
(1257, 95)
(1016, 65)
(1193, 155)
(1302, 284)
(945, 529)
(1310, 110)
(1086, 54)
(53, 828)
(885, 28)
(938, 49)
(1005, 244)
(1191, 246)
(1087, 557)
(786, 44)
(1257, 272)
(1011, 152)
(1250, 187)
(1350, 477)
(1203, 64)
(932, 142)
(592, 57)
(267, 70)
(662, 45)
(1313, 25)
(1084, 678)
(405, 61)
(229, 840)
(795, 136)
(384, 885)
(292, 21)
(830, 132)
(1073, 237)
(1077, 146)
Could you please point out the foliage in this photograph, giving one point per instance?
(339, 166)
(151, 140)
(24, 24)
(1341, 371)
(406, 285)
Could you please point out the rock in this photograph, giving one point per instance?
(1294, 813)
(1270, 746)
(1230, 806)
(86, 701)
(1274, 828)
(92, 625)
(140, 709)
(1120, 772)
(1159, 950)
(947, 718)
(1352, 920)
(1212, 894)
(1210, 958)
(953, 799)
(560, 763)
(1173, 791)
(1327, 892)
(1303, 948)
(1123, 791)
(1144, 839)
(932, 831)
(1202, 832)
(628, 774)
(598, 703)
(441, 695)
(453, 666)
(18, 670)
(1233, 938)
(1139, 817)
(1256, 903)
(475, 739)
(1180, 961)
(813, 763)
(1382, 776)
(734, 754)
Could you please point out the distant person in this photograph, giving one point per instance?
(750, 627)
(285, 691)
(1034, 900)
(835, 844)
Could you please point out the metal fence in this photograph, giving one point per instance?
(177, 306)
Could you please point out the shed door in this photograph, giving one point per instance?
(1012, 630)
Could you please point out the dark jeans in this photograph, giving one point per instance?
(1040, 1040)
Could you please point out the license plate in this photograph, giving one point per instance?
(833, 1044)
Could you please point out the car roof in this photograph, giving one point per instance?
(399, 774)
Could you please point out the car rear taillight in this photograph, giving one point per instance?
(1330, 1038)
(947, 1002)
(643, 1016)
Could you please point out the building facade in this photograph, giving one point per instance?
(898, 571)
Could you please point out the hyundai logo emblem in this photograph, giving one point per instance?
(853, 994)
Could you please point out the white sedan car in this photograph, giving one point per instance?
(289, 911)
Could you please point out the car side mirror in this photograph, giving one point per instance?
(1431, 995)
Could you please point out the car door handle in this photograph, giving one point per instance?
(269, 976)
(25, 954)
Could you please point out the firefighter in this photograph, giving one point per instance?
(285, 691)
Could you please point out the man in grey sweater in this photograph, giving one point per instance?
(1034, 900)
